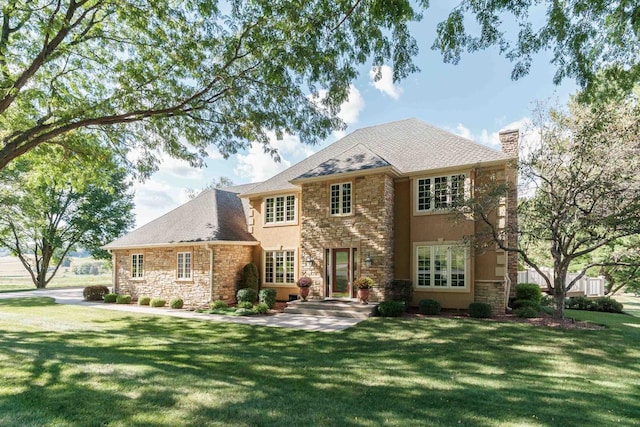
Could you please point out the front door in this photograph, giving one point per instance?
(340, 275)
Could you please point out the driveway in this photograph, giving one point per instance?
(73, 296)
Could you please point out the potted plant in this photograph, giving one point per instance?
(364, 284)
(304, 283)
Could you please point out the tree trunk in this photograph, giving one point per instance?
(559, 294)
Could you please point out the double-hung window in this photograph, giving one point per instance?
(340, 198)
(137, 266)
(279, 267)
(439, 192)
(280, 209)
(441, 266)
(184, 265)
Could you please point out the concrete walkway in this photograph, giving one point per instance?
(73, 296)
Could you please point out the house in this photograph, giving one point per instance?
(375, 203)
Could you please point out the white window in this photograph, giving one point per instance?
(184, 265)
(440, 192)
(341, 199)
(280, 209)
(279, 267)
(137, 266)
(441, 266)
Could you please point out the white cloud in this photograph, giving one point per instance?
(350, 110)
(385, 83)
(154, 198)
(492, 138)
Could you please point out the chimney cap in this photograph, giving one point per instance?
(506, 131)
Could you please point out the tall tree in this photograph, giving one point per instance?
(52, 201)
(594, 42)
(585, 190)
(182, 76)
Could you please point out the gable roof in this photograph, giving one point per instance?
(408, 146)
(213, 216)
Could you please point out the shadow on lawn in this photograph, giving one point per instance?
(138, 369)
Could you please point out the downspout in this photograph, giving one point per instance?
(211, 259)
(114, 269)
(507, 281)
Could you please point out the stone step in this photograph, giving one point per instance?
(332, 308)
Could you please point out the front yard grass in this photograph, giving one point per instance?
(77, 366)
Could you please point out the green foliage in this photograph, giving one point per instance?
(244, 304)
(579, 303)
(429, 306)
(529, 292)
(526, 311)
(246, 295)
(244, 68)
(399, 290)
(479, 310)
(157, 302)
(123, 299)
(94, 293)
(144, 300)
(262, 308)
(250, 277)
(217, 304)
(176, 303)
(608, 305)
(364, 282)
(391, 308)
(244, 311)
(268, 297)
(110, 298)
(519, 303)
(604, 304)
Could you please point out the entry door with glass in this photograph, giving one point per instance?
(340, 273)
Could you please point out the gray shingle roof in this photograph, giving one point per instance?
(214, 215)
(353, 159)
(407, 145)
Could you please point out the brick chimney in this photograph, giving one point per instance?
(509, 141)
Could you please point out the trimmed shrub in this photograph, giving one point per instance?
(607, 304)
(110, 298)
(519, 303)
(176, 303)
(250, 277)
(217, 304)
(245, 312)
(123, 299)
(579, 303)
(526, 311)
(157, 302)
(247, 295)
(479, 310)
(267, 297)
(399, 290)
(245, 304)
(528, 292)
(144, 300)
(391, 308)
(95, 293)
(429, 306)
(262, 308)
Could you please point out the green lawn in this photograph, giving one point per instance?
(77, 366)
(24, 283)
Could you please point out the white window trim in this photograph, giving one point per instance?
(264, 267)
(190, 277)
(340, 195)
(140, 276)
(275, 223)
(433, 209)
(467, 268)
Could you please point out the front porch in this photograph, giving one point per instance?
(332, 307)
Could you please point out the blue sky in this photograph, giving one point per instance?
(475, 99)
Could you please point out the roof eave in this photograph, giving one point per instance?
(360, 172)
(434, 171)
(270, 192)
(174, 244)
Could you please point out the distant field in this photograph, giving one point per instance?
(13, 276)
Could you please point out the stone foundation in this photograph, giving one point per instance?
(492, 293)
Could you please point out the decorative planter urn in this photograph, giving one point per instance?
(363, 294)
(304, 293)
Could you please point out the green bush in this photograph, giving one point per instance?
(144, 300)
(607, 304)
(399, 290)
(157, 302)
(579, 303)
(391, 308)
(262, 308)
(94, 293)
(526, 311)
(110, 298)
(247, 295)
(245, 304)
(176, 303)
(245, 311)
(218, 304)
(479, 310)
(250, 277)
(268, 297)
(123, 299)
(528, 292)
(429, 306)
(519, 303)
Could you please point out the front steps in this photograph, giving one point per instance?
(335, 308)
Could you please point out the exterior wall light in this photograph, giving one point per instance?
(368, 261)
(309, 262)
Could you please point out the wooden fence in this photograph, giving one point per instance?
(587, 286)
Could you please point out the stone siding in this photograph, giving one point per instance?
(370, 229)
(492, 293)
(228, 262)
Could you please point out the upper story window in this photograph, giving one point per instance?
(280, 209)
(184, 265)
(341, 198)
(439, 192)
(137, 266)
